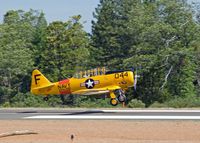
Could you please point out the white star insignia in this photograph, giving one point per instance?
(89, 83)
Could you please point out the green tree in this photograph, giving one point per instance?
(110, 35)
(67, 50)
(17, 46)
(156, 36)
(170, 37)
(15, 61)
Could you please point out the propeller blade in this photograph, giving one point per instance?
(135, 80)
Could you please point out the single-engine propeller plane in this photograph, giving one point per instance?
(91, 82)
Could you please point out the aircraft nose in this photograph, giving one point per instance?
(131, 79)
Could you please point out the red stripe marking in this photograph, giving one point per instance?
(65, 92)
(63, 84)
(64, 81)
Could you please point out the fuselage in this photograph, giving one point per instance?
(89, 85)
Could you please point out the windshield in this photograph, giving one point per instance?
(90, 73)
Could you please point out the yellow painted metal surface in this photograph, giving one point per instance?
(40, 85)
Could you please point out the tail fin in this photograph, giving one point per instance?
(39, 81)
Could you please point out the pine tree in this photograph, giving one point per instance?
(153, 36)
(17, 46)
(67, 51)
(66, 48)
(111, 38)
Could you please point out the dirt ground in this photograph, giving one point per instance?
(102, 131)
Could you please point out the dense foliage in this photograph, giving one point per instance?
(159, 38)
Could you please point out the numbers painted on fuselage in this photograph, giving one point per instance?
(121, 75)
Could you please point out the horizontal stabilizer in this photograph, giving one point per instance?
(44, 87)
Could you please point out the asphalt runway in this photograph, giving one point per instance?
(97, 114)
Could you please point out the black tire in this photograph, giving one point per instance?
(114, 102)
(121, 98)
(46, 98)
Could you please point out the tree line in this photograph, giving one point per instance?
(158, 38)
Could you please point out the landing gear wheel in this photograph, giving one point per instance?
(114, 102)
(46, 98)
(121, 98)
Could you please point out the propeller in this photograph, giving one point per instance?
(136, 76)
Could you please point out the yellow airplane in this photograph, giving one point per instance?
(98, 81)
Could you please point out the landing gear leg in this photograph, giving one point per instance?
(113, 100)
(46, 98)
(121, 96)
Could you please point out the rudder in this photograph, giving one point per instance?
(38, 80)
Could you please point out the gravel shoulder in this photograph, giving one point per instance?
(102, 131)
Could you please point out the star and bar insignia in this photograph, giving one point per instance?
(89, 83)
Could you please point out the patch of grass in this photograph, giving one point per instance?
(134, 103)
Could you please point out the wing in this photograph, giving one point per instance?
(96, 91)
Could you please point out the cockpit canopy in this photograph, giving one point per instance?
(91, 73)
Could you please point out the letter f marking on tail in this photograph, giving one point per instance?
(36, 79)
